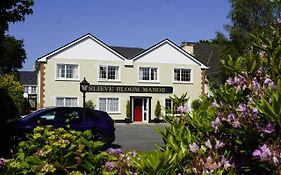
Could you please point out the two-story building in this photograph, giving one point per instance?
(118, 75)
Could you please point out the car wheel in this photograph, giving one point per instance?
(99, 136)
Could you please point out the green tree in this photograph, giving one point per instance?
(246, 18)
(13, 54)
(13, 11)
(11, 95)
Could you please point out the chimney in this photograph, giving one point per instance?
(188, 47)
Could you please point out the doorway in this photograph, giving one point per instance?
(141, 109)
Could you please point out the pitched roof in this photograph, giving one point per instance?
(28, 77)
(128, 52)
(167, 41)
(206, 53)
(72, 43)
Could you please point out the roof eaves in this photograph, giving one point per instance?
(88, 35)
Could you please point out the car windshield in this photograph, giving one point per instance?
(38, 112)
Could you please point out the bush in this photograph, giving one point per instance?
(11, 94)
(57, 151)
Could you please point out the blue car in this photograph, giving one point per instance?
(99, 122)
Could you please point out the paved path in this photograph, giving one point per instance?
(138, 137)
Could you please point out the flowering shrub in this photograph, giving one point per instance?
(57, 151)
(119, 163)
(238, 132)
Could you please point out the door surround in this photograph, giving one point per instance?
(145, 103)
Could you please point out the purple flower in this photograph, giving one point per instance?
(263, 153)
(193, 147)
(118, 151)
(214, 104)
(230, 81)
(269, 128)
(208, 144)
(182, 109)
(243, 109)
(110, 166)
(225, 163)
(216, 122)
(261, 71)
(255, 84)
(2, 163)
(219, 144)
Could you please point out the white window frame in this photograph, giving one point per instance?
(64, 78)
(149, 67)
(110, 112)
(183, 68)
(64, 98)
(106, 79)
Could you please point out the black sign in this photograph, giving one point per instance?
(130, 89)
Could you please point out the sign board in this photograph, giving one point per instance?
(130, 89)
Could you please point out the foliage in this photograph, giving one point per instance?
(11, 97)
(13, 54)
(89, 104)
(57, 151)
(237, 130)
(246, 18)
(13, 11)
(157, 111)
(128, 109)
(195, 104)
(119, 163)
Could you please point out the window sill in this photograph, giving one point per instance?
(110, 81)
(67, 79)
(148, 81)
(182, 82)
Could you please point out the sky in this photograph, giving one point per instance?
(128, 23)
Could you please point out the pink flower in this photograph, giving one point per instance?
(208, 144)
(193, 147)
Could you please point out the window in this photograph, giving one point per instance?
(109, 73)
(66, 101)
(25, 89)
(109, 104)
(182, 75)
(148, 74)
(169, 105)
(33, 89)
(67, 71)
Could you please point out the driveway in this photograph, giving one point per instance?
(138, 137)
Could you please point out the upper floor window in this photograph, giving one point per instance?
(25, 89)
(33, 89)
(67, 71)
(182, 75)
(109, 73)
(148, 74)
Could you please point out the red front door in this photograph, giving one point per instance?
(138, 110)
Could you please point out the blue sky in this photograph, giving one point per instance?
(129, 23)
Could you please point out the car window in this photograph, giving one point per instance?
(48, 116)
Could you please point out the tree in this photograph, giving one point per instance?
(13, 11)
(247, 18)
(13, 54)
(11, 95)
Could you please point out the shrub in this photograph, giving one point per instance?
(11, 93)
(57, 151)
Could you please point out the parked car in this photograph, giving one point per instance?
(99, 122)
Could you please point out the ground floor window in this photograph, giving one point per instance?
(109, 104)
(169, 106)
(67, 101)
